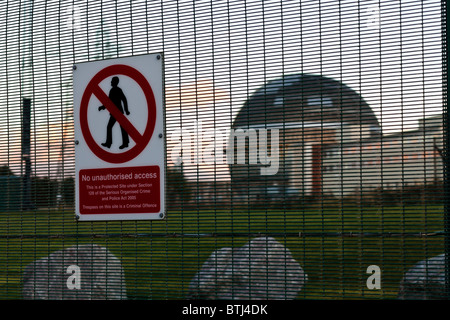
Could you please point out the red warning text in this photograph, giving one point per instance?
(127, 190)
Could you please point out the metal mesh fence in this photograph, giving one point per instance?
(305, 151)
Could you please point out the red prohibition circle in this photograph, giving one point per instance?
(93, 88)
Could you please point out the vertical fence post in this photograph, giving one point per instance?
(26, 156)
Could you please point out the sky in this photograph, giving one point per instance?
(217, 53)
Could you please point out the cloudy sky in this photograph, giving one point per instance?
(217, 53)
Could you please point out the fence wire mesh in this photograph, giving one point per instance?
(304, 144)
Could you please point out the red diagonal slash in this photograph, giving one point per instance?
(141, 140)
(115, 112)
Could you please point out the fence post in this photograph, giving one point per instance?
(26, 156)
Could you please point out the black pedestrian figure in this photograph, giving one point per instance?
(117, 97)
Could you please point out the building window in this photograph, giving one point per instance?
(279, 101)
(320, 101)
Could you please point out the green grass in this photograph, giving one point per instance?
(159, 262)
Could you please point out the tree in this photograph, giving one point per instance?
(178, 189)
(68, 191)
(10, 197)
(44, 191)
(5, 171)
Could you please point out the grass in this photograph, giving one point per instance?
(160, 262)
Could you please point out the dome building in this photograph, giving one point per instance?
(289, 120)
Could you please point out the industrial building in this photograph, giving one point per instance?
(330, 142)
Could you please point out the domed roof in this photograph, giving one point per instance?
(306, 98)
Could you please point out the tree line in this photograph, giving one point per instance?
(46, 192)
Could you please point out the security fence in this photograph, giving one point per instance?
(305, 150)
